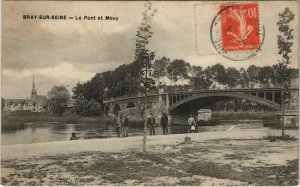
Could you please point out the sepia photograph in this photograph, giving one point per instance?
(149, 93)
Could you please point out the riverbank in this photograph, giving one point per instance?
(233, 157)
(229, 115)
(23, 117)
(17, 118)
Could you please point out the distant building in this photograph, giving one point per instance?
(35, 103)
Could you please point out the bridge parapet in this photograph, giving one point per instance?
(224, 90)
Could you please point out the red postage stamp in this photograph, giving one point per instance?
(240, 27)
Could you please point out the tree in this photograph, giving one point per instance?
(144, 57)
(232, 77)
(195, 72)
(178, 69)
(80, 105)
(160, 68)
(93, 108)
(284, 43)
(265, 75)
(2, 103)
(244, 78)
(218, 73)
(253, 73)
(59, 98)
(202, 78)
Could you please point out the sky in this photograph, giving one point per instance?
(65, 52)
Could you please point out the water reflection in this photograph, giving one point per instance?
(47, 132)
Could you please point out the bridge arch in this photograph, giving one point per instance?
(130, 105)
(116, 109)
(209, 98)
(106, 110)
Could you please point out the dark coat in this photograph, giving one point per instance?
(126, 122)
(164, 120)
(151, 122)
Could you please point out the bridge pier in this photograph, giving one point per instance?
(167, 101)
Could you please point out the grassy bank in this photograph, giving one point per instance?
(243, 116)
(234, 116)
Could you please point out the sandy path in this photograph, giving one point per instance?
(120, 144)
(232, 127)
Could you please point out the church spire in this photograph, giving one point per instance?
(33, 91)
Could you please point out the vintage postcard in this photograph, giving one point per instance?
(150, 93)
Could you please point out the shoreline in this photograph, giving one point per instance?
(22, 151)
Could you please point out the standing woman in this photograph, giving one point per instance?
(119, 124)
(126, 125)
(192, 124)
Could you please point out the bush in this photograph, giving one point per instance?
(273, 138)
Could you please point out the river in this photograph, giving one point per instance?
(48, 132)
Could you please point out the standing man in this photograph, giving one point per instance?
(119, 124)
(164, 123)
(191, 123)
(126, 125)
(151, 123)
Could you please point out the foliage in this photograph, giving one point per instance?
(266, 76)
(201, 79)
(2, 103)
(244, 78)
(218, 73)
(144, 57)
(160, 68)
(253, 72)
(93, 108)
(195, 72)
(273, 138)
(80, 104)
(178, 69)
(59, 98)
(85, 108)
(232, 77)
(284, 43)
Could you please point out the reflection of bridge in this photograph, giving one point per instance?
(182, 101)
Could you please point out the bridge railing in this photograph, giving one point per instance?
(185, 89)
(178, 90)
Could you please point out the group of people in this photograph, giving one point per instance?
(163, 121)
(122, 124)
